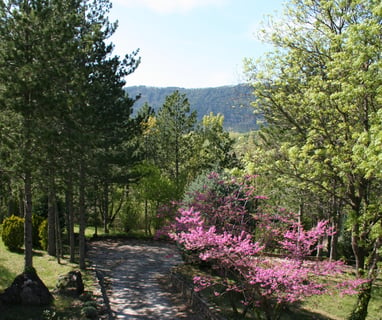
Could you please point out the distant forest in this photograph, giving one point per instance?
(233, 102)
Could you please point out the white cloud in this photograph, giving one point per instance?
(171, 6)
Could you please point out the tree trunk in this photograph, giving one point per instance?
(105, 207)
(146, 218)
(51, 218)
(335, 213)
(334, 238)
(21, 204)
(57, 231)
(359, 252)
(319, 248)
(70, 215)
(82, 220)
(28, 244)
(360, 310)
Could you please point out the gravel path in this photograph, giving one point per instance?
(134, 271)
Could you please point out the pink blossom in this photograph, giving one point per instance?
(219, 228)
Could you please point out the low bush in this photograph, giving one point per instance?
(89, 312)
(13, 232)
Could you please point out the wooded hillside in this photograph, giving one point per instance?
(231, 101)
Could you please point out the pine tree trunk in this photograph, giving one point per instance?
(105, 207)
(57, 232)
(146, 218)
(51, 219)
(82, 221)
(28, 244)
(21, 206)
(70, 214)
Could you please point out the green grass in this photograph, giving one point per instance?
(339, 307)
(114, 233)
(12, 264)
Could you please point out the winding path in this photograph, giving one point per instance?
(133, 270)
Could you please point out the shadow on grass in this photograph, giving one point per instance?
(37, 253)
(21, 251)
(297, 313)
(62, 308)
(18, 251)
(294, 313)
(6, 278)
(12, 312)
(291, 312)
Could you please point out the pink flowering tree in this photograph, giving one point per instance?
(223, 236)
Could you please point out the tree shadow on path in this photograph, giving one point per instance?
(132, 269)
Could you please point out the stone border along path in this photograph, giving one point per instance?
(130, 273)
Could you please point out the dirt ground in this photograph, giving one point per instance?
(135, 276)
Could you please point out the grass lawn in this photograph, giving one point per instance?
(339, 307)
(133, 234)
(12, 264)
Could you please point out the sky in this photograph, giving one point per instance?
(190, 43)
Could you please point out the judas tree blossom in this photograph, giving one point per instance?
(242, 263)
(301, 243)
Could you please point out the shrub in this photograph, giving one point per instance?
(43, 234)
(86, 296)
(89, 312)
(13, 232)
(90, 303)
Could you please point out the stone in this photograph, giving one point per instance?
(70, 284)
(27, 289)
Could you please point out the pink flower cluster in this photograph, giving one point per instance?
(222, 238)
(286, 279)
(301, 243)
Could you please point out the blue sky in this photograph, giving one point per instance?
(190, 43)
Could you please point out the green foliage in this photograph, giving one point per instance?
(13, 232)
(36, 222)
(62, 104)
(201, 183)
(131, 217)
(320, 94)
(150, 192)
(89, 312)
(30, 270)
(43, 234)
(175, 122)
(213, 147)
(90, 303)
(48, 314)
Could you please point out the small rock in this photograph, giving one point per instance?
(70, 284)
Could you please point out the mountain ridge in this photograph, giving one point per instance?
(233, 102)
